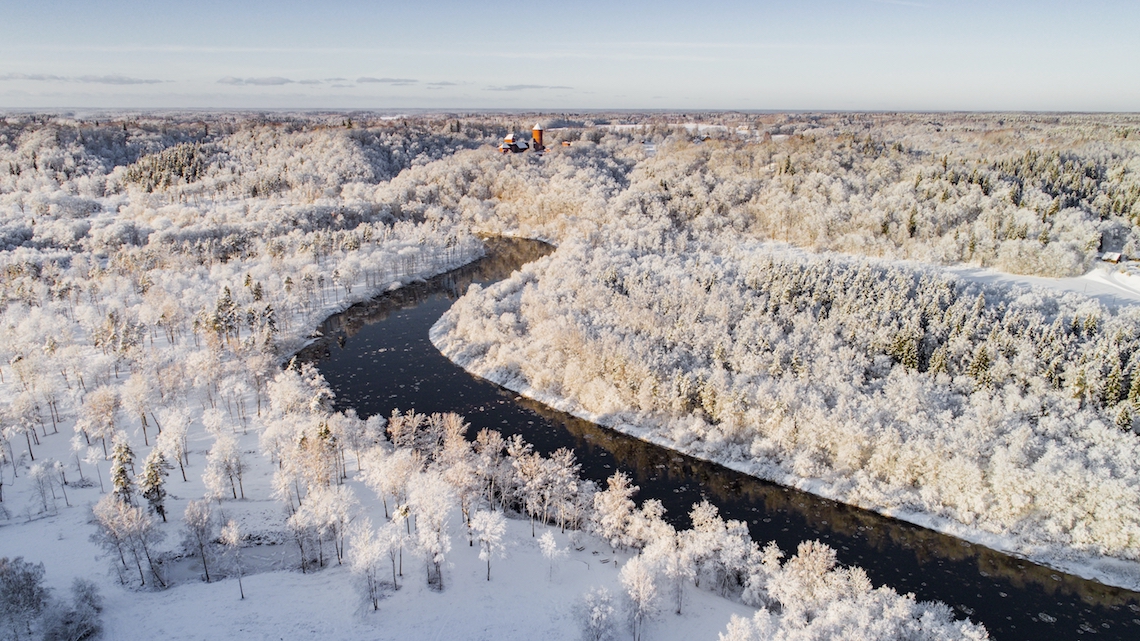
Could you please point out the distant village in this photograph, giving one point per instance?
(512, 145)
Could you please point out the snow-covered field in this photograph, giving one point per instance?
(523, 600)
(1111, 286)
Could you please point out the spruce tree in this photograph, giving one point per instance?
(1124, 417)
(1113, 386)
(979, 369)
(152, 485)
(122, 457)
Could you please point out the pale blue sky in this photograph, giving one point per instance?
(813, 54)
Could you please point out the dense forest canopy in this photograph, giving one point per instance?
(1025, 193)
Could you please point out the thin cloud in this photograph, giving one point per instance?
(390, 81)
(32, 76)
(442, 84)
(111, 79)
(117, 79)
(526, 87)
(268, 81)
(308, 82)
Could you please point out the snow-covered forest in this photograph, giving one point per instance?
(158, 271)
(1001, 413)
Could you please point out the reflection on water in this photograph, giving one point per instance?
(377, 357)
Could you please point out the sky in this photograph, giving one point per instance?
(571, 55)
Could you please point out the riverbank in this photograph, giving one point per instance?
(497, 346)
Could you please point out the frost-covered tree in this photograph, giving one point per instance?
(231, 536)
(491, 465)
(597, 615)
(551, 552)
(392, 538)
(78, 620)
(336, 507)
(152, 485)
(122, 467)
(97, 417)
(564, 485)
(669, 551)
(224, 469)
(613, 510)
(138, 398)
(59, 478)
(172, 439)
(130, 536)
(639, 578)
(432, 499)
(366, 555)
(198, 532)
(489, 528)
(22, 595)
(531, 478)
(388, 474)
(22, 416)
(457, 461)
(43, 479)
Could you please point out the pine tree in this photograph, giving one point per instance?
(938, 362)
(979, 369)
(1124, 417)
(225, 318)
(904, 349)
(152, 486)
(122, 457)
(1113, 386)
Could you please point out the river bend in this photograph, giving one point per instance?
(377, 357)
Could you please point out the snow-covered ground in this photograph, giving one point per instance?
(523, 599)
(1113, 286)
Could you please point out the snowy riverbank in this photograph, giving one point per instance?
(504, 334)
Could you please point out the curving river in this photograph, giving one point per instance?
(377, 357)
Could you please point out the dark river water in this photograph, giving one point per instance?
(377, 357)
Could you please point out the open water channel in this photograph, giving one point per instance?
(377, 357)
